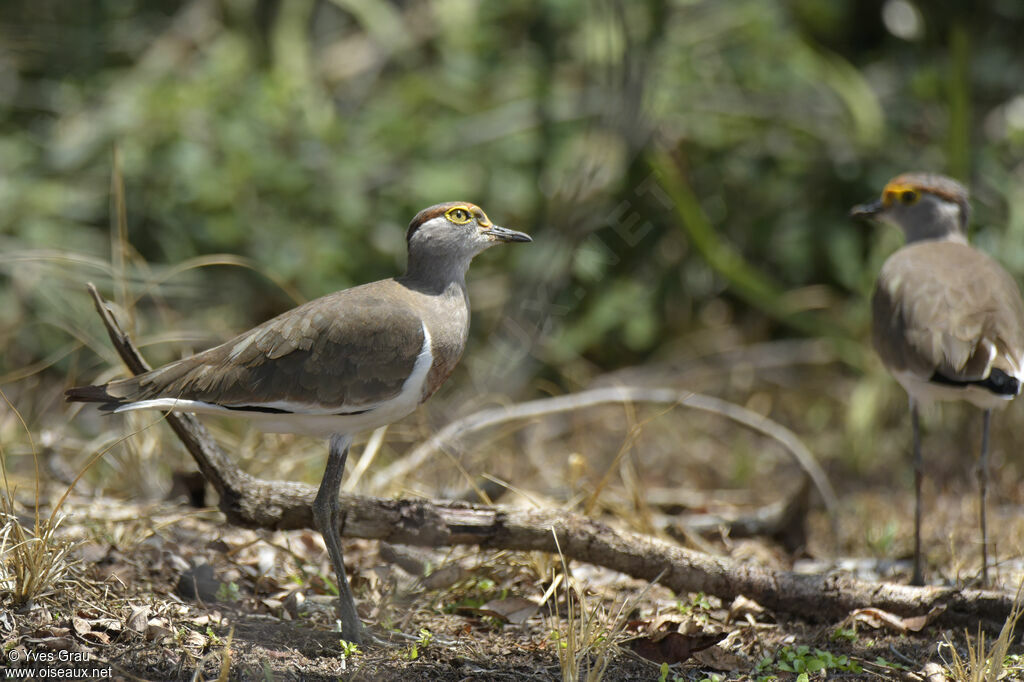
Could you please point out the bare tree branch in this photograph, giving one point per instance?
(451, 434)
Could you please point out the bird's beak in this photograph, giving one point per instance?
(503, 234)
(869, 210)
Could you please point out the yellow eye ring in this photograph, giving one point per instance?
(900, 194)
(458, 215)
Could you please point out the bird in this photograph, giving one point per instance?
(352, 360)
(948, 320)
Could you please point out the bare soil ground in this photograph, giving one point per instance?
(161, 590)
(167, 592)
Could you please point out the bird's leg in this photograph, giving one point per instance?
(983, 494)
(325, 514)
(915, 421)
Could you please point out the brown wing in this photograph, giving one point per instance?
(344, 351)
(945, 307)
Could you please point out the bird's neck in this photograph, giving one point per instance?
(436, 275)
(955, 236)
(936, 220)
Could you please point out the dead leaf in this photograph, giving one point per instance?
(673, 647)
(743, 608)
(51, 632)
(96, 637)
(6, 623)
(219, 545)
(877, 618)
(111, 626)
(515, 610)
(293, 603)
(176, 562)
(138, 620)
(312, 542)
(80, 626)
(196, 640)
(63, 643)
(718, 657)
(933, 672)
(275, 606)
(666, 622)
(157, 629)
(446, 576)
(686, 624)
(266, 558)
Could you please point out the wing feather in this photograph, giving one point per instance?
(345, 351)
(945, 307)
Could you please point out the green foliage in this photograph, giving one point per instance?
(697, 606)
(685, 167)
(306, 140)
(228, 592)
(424, 640)
(348, 649)
(473, 593)
(842, 634)
(803, 660)
(883, 662)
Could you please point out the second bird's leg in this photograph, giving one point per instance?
(983, 495)
(915, 422)
(325, 514)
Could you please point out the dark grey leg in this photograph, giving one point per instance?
(983, 494)
(325, 514)
(915, 421)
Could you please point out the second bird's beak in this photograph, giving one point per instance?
(868, 210)
(503, 234)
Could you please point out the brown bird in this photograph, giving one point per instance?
(353, 360)
(948, 319)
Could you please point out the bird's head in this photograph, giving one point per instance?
(457, 229)
(443, 239)
(923, 205)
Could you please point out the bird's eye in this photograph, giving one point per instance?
(908, 196)
(459, 216)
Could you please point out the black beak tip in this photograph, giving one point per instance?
(503, 234)
(867, 211)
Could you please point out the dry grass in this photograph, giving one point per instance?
(34, 560)
(990, 663)
(587, 636)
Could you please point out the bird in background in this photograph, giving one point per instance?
(353, 360)
(948, 319)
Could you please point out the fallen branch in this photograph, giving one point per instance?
(485, 419)
(252, 502)
(783, 521)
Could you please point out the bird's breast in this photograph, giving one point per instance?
(448, 333)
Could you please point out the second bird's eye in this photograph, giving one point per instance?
(908, 196)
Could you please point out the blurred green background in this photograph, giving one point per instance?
(685, 167)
